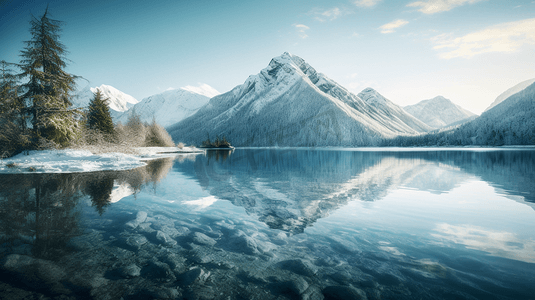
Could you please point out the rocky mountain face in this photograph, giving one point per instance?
(290, 104)
(406, 121)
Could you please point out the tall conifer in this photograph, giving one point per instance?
(99, 117)
(47, 91)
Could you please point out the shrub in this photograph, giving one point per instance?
(157, 136)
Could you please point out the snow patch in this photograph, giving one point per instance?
(118, 100)
(75, 161)
(202, 203)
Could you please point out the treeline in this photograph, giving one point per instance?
(512, 122)
(35, 103)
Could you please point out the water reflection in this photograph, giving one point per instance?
(39, 214)
(291, 189)
(497, 243)
(341, 225)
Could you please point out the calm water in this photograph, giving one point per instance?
(277, 224)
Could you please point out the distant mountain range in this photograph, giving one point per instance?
(438, 112)
(171, 106)
(387, 107)
(508, 93)
(510, 122)
(289, 103)
(166, 108)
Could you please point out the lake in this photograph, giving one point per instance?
(269, 223)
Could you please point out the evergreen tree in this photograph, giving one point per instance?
(13, 137)
(99, 117)
(46, 93)
(10, 103)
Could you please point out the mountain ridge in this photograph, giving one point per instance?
(289, 103)
(438, 112)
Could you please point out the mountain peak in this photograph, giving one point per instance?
(118, 100)
(440, 99)
(438, 112)
(203, 89)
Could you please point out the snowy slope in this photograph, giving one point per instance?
(438, 112)
(508, 93)
(289, 104)
(405, 120)
(511, 122)
(171, 106)
(119, 102)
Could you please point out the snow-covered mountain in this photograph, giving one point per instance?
(289, 104)
(511, 122)
(395, 112)
(508, 93)
(171, 106)
(119, 102)
(438, 112)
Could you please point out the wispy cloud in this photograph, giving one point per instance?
(366, 3)
(505, 37)
(301, 29)
(390, 27)
(332, 14)
(496, 243)
(436, 6)
(329, 15)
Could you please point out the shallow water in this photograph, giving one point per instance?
(277, 224)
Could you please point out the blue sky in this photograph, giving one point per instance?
(466, 50)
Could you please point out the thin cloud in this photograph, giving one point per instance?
(496, 243)
(366, 3)
(436, 6)
(390, 27)
(505, 37)
(301, 29)
(329, 15)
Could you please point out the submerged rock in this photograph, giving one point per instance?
(298, 285)
(145, 227)
(35, 272)
(203, 239)
(299, 266)
(130, 271)
(194, 275)
(136, 241)
(241, 242)
(158, 270)
(141, 216)
(343, 292)
(164, 238)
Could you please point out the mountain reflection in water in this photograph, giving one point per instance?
(291, 189)
(277, 224)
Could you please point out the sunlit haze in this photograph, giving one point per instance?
(468, 51)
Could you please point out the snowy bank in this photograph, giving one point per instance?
(74, 161)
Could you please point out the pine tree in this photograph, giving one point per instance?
(47, 92)
(99, 117)
(13, 137)
(10, 103)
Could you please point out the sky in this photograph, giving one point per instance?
(468, 51)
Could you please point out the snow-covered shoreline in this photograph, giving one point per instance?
(75, 161)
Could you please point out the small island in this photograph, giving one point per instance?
(218, 144)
